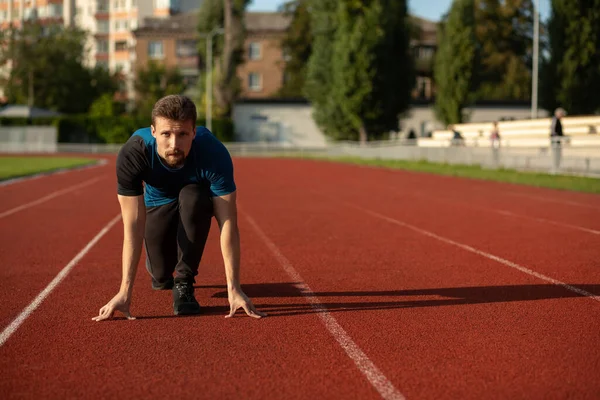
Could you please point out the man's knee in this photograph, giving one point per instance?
(195, 201)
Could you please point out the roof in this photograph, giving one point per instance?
(267, 21)
(188, 22)
(425, 24)
(24, 111)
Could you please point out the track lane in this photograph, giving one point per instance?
(389, 289)
(161, 355)
(437, 320)
(39, 241)
(558, 251)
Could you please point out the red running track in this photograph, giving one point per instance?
(378, 283)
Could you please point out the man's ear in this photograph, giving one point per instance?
(153, 130)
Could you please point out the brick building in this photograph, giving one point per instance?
(173, 42)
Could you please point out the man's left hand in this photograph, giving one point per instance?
(237, 299)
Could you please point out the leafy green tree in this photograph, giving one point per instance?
(155, 82)
(456, 62)
(372, 65)
(297, 46)
(570, 78)
(228, 49)
(47, 69)
(504, 32)
(319, 76)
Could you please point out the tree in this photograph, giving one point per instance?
(360, 83)
(47, 69)
(372, 65)
(319, 76)
(228, 50)
(571, 76)
(504, 33)
(297, 46)
(155, 82)
(456, 62)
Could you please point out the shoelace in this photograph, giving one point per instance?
(184, 291)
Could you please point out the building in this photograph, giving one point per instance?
(262, 72)
(109, 22)
(423, 46)
(174, 41)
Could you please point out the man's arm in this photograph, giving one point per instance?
(133, 212)
(225, 210)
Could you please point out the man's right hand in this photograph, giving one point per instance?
(120, 303)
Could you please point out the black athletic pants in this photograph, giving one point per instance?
(176, 234)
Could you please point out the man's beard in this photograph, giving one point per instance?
(174, 159)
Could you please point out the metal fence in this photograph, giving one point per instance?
(553, 158)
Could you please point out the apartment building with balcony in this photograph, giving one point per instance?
(110, 24)
(16, 12)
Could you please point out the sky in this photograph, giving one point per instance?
(429, 9)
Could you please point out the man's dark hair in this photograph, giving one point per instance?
(176, 108)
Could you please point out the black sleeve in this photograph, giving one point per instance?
(131, 163)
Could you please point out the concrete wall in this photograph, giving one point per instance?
(292, 123)
(28, 138)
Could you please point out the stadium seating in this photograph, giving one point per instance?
(580, 130)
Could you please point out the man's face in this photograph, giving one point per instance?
(173, 140)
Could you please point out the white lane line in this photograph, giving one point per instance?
(7, 182)
(571, 203)
(16, 323)
(385, 388)
(506, 213)
(49, 197)
(544, 220)
(476, 251)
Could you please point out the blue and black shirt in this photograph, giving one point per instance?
(208, 163)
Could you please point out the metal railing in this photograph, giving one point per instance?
(547, 157)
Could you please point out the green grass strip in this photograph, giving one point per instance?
(562, 182)
(16, 167)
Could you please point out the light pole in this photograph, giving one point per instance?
(536, 51)
(209, 62)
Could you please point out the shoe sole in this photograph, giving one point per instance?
(187, 309)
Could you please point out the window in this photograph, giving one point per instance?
(121, 25)
(102, 6)
(186, 48)
(119, 4)
(254, 51)
(55, 10)
(254, 82)
(155, 50)
(103, 26)
(102, 46)
(162, 3)
(121, 45)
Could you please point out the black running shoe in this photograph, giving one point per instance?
(184, 302)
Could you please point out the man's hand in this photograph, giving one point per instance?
(238, 299)
(120, 303)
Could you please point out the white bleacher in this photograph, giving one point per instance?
(582, 131)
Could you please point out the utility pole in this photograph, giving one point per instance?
(536, 57)
(209, 66)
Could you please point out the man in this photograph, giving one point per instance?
(188, 176)
(556, 138)
(556, 130)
